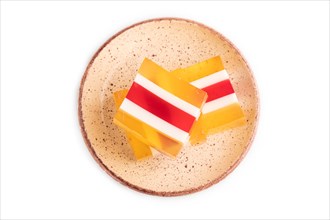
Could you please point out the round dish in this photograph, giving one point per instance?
(172, 43)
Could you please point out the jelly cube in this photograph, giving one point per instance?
(160, 109)
(221, 110)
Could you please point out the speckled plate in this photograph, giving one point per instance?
(172, 43)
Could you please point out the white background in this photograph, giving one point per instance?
(46, 170)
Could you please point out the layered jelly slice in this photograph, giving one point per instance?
(221, 110)
(160, 109)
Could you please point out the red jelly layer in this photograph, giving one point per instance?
(218, 90)
(159, 107)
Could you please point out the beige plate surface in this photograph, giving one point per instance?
(172, 43)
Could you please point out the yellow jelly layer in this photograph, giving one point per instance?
(178, 87)
(223, 118)
(200, 70)
(119, 97)
(147, 134)
(140, 149)
(197, 135)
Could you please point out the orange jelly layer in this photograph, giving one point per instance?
(199, 70)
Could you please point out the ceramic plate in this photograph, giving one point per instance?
(173, 43)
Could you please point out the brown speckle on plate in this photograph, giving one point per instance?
(172, 43)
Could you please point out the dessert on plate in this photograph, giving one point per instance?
(152, 116)
(168, 106)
